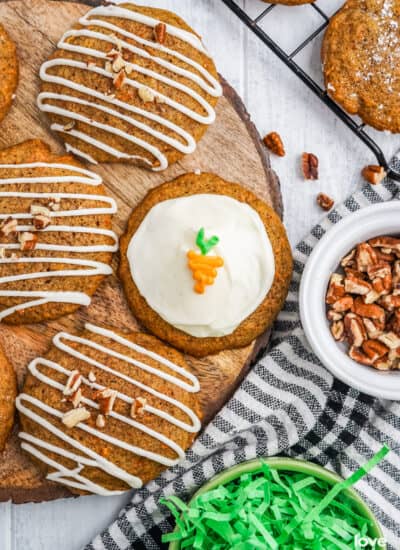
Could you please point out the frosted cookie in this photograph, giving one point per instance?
(132, 84)
(56, 241)
(360, 55)
(8, 393)
(205, 264)
(106, 411)
(8, 71)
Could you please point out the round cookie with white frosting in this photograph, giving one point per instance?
(205, 264)
(56, 241)
(107, 411)
(132, 84)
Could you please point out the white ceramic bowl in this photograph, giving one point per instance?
(372, 221)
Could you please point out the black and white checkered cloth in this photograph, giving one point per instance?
(288, 404)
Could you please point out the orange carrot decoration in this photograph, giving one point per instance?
(204, 268)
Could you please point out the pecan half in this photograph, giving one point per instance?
(365, 257)
(337, 330)
(373, 173)
(309, 164)
(355, 330)
(359, 356)
(275, 144)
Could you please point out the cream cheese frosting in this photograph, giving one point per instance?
(158, 263)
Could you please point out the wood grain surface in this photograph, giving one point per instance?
(231, 148)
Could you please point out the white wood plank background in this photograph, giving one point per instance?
(276, 100)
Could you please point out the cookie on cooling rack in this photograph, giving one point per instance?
(8, 71)
(205, 264)
(56, 241)
(106, 411)
(8, 393)
(132, 84)
(360, 55)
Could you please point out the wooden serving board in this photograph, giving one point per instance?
(231, 148)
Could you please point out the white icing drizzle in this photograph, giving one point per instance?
(186, 144)
(91, 267)
(88, 457)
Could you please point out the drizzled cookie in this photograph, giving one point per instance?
(132, 84)
(107, 411)
(8, 71)
(56, 241)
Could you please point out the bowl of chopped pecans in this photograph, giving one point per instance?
(350, 300)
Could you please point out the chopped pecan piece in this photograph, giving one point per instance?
(100, 421)
(343, 304)
(105, 399)
(73, 383)
(380, 270)
(365, 257)
(390, 302)
(160, 33)
(274, 143)
(354, 285)
(372, 311)
(334, 315)
(8, 226)
(374, 349)
(119, 79)
(76, 398)
(73, 417)
(390, 339)
(386, 243)
(359, 356)
(145, 94)
(27, 240)
(355, 330)
(325, 202)
(309, 164)
(373, 173)
(373, 329)
(337, 330)
(350, 259)
(335, 289)
(383, 364)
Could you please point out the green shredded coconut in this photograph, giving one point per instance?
(273, 510)
(205, 245)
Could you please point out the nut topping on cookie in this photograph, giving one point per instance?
(73, 417)
(27, 240)
(145, 94)
(106, 399)
(73, 382)
(160, 33)
(8, 226)
(100, 421)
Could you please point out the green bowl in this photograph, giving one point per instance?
(291, 465)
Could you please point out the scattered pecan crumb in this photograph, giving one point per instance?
(73, 382)
(160, 33)
(373, 173)
(275, 144)
(91, 376)
(69, 126)
(366, 299)
(309, 164)
(324, 201)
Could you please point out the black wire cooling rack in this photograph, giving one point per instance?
(254, 24)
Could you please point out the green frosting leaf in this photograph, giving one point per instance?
(272, 510)
(205, 245)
